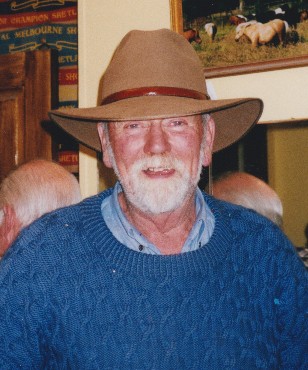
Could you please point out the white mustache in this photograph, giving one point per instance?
(158, 163)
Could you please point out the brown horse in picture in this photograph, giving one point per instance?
(192, 35)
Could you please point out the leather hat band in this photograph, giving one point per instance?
(155, 91)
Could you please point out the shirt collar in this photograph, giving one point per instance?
(128, 235)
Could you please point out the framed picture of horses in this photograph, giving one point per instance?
(244, 36)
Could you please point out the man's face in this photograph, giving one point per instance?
(158, 162)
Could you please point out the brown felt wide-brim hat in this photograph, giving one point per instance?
(154, 75)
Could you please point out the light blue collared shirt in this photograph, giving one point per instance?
(128, 235)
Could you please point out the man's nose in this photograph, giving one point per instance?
(157, 141)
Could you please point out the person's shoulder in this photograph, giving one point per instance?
(72, 214)
(236, 212)
(57, 229)
(228, 212)
(61, 218)
(256, 237)
(248, 223)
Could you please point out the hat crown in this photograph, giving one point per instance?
(153, 58)
(156, 75)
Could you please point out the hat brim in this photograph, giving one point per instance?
(233, 117)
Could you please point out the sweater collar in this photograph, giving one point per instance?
(120, 258)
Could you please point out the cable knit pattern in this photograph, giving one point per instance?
(73, 297)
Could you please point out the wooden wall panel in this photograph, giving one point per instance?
(12, 70)
(28, 91)
(12, 130)
(38, 100)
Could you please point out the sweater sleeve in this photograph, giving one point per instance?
(279, 271)
(22, 303)
(292, 307)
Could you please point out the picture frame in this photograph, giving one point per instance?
(177, 25)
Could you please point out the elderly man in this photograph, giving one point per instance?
(154, 274)
(31, 190)
(249, 191)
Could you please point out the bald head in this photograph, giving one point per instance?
(249, 191)
(33, 189)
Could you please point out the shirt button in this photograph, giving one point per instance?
(141, 247)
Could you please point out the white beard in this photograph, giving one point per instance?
(158, 195)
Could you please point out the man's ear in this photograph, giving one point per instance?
(209, 140)
(9, 228)
(104, 143)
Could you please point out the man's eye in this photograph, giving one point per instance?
(136, 125)
(177, 123)
(133, 125)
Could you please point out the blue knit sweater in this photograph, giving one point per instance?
(73, 297)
